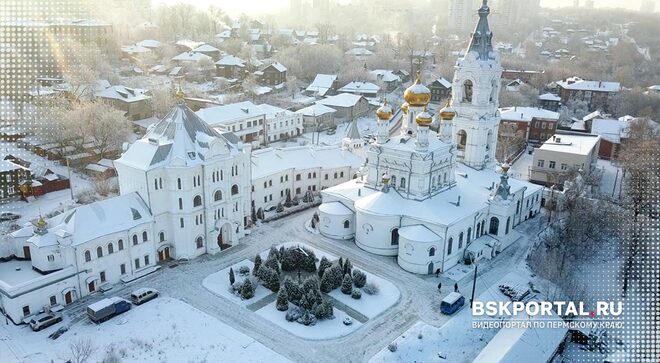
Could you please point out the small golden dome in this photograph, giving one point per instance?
(385, 178)
(447, 112)
(424, 119)
(41, 222)
(384, 112)
(505, 168)
(417, 95)
(404, 107)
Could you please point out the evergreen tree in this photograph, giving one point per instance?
(273, 281)
(337, 277)
(324, 264)
(340, 262)
(293, 290)
(288, 202)
(347, 267)
(272, 253)
(253, 215)
(305, 303)
(308, 260)
(295, 200)
(288, 258)
(247, 291)
(280, 207)
(232, 278)
(359, 278)
(272, 263)
(326, 282)
(347, 284)
(257, 265)
(282, 300)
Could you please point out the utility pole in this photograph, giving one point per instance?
(616, 178)
(68, 169)
(474, 283)
(552, 202)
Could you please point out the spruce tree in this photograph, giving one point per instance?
(359, 278)
(257, 265)
(323, 265)
(274, 281)
(326, 282)
(247, 291)
(253, 215)
(282, 300)
(347, 284)
(347, 267)
(232, 278)
(280, 207)
(293, 290)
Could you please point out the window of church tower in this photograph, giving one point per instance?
(469, 234)
(197, 201)
(88, 256)
(460, 240)
(161, 236)
(402, 183)
(234, 189)
(467, 91)
(432, 252)
(199, 242)
(178, 183)
(347, 224)
(217, 195)
(120, 244)
(462, 140)
(489, 139)
(449, 245)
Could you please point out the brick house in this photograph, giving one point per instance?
(11, 176)
(135, 102)
(597, 94)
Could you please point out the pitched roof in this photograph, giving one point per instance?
(610, 130)
(527, 114)
(227, 114)
(190, 57)
(316, 110)
(577, 83)
(360, 87)
(230, 60)
(322, 83)
(353, 133)
(206, 48)
(123, 93)
(278, 66)
(482, 37)
(385, 75)
(270, 160)
(341, 100)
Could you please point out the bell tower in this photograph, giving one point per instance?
(475, 97)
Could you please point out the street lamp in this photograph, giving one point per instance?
(552, 202)
(474, 283)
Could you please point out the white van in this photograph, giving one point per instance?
(143, 295)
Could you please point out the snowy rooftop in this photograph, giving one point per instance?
(610, 130)
(360, 87)
(227, 114)
(341, 100)
(6, 166)
(270, 160)
(316, 110)
(321, 83)
(385, 75)
(443, 82)
(95, 220)
(150, 43)
(122, 93)
(549, 97)
(439, 209)
(16, 272)
(359, 52)
(206, 48)
(418, 233)
(527, 114)
(278, 66)
(577, 83)
(230, 60)
(134, 49)
(190, 57)
(571, 143)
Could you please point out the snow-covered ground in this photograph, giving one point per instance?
(366, 125)
(218, 283)
(521, 169)
(162, 330)
(370, 305)
(611, 174)
(324, 329)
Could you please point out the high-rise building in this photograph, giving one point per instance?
(647, 7)
(460, 15)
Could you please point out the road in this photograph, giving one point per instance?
(419, 296)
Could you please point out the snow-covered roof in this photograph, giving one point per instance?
(150, 43)
(341, 100)
(227, 114)
(190, 57)
(577, 83)
(592, 115)
(335, 208)
(204, 48)
(527, 114)
(316, 110)
(443, 82)
(610, 130)
(385, 75)
(6, 166)
(278, 66)
(353, 133)
(322, 83)
(122, 93)
(549, 97)
(95, 220)
(134, 49)
(190, 44)
(440, 209)
(181, 135)
(271, 160)
(230, 60)
(530, 345)
(571, 143)
(360, 88)
(418, 233)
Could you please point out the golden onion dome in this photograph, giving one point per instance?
(505, 168)
(424, 119)
(447, 112)
(384, 112)
(385, 178)
(404, 107)
(417, 95)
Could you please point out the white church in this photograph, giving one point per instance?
(436, 199)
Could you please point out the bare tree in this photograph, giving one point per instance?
(81, 350)
(162, 100)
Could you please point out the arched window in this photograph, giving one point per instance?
(144, 236)
(483, 227)
(432, 251)
(494, 225)
(111, 248)
(395, 237)
(460, 240)
(433, 183)
(99, 251)
(461, 140)
(444, 179)
(161, 236)
(467, 91)
(508, 222)
(234, 189)
(180, 203)
(217, 195)
(120, 244)
(347, 224)
(135, 239)
(393, 181)
(178, 183)
(449, 245)
(199, 242)
(197, 201)
(402, 184)
(518, 207)
(88, 256)
(469, 234)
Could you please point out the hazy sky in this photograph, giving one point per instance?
(234, 7)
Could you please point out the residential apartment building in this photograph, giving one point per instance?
(562, 153)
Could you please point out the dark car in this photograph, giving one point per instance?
(452, 303)
(8, 216)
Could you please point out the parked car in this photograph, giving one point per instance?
(57, 333)
(105, 309)
(452, 303)
(331, 131)
(9, 216)
(44, 320)
(141, 296)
